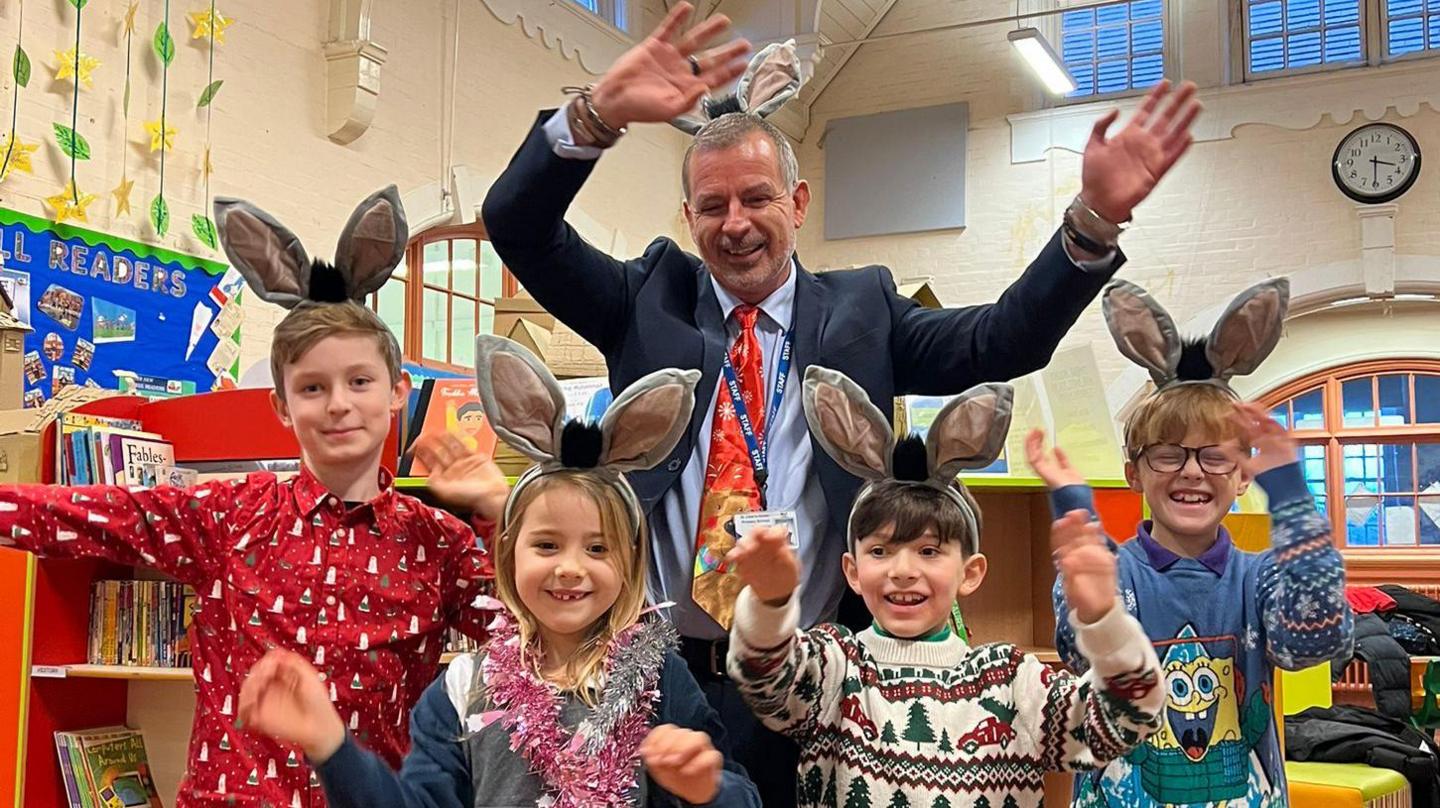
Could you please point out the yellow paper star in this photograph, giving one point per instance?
(153, 128)
(69, 204)
(19, 156)
(208, 26)
(122, 196)
(130, 18)
(73, 64)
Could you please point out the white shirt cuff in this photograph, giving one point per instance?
(562, 141)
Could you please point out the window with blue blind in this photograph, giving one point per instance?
(1411, 26)
(611, 11)
(1299, 34)
(1114, 48)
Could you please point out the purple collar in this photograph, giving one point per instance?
(1161, 558)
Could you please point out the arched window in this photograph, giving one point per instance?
(444, 295)
(1370, 449)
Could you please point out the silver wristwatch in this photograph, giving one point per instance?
(1091, 231)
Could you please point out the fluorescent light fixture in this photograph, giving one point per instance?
(1035, 49)
(1413, 296)
(1349, 301)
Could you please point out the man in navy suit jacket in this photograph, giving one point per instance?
(744, 203)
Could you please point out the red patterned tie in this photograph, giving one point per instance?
(729, 475)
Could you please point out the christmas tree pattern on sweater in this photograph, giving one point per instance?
(887, 722)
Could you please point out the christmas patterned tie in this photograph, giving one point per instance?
(730, 486)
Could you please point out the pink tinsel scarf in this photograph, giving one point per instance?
(596, 766)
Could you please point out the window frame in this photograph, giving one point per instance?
(614, 13)
(1383, 558)
(412, 347)
(1382, 36)
(1054, 30)
(1374, 40)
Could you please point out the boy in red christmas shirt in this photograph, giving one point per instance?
(334, 564)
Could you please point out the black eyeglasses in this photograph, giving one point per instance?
(1167, 458)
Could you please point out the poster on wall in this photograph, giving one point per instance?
(106, 311)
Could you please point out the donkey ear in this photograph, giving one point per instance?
(1142, 329)
(969, 431)
(265, 252)
(1249, 329)
(644, 423)
(688, 124)
(521, 398)
(372, 243)
(848, 427)
(772, 78)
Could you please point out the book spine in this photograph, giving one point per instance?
(112, 608)
(67, 774)
(83, 782)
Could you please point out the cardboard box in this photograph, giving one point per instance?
(12, 360)
(23, 430)
(510, 309)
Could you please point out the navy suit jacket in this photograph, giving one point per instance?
(660, 311)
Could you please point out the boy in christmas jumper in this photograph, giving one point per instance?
(1221, 619)
(906, 713)
(334, 564)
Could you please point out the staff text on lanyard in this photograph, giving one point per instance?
(757, 445)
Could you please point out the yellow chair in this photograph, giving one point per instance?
(1330, 785)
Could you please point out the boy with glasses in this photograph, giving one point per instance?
(1221, 619)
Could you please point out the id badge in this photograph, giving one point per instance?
(741, 524)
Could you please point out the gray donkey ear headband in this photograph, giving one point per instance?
(968, 433)
(772, 78)
(1242, 338)
(274, 263)
(526, 408)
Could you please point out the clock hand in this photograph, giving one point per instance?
(1374, 170)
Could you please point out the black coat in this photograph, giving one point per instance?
(1358, 735)
(1389, 665)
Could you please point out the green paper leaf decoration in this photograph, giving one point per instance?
(205, 231)
(164, 44)
(22, 66)
(78, 4)
(209, 94)
(160, 216)
(71, 142)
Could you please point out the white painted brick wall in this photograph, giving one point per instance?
(1232, 212)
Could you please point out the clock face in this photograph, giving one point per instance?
(1376, 163)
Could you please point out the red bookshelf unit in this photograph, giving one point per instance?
(45, 685)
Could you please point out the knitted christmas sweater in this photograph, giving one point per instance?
(1221, 623)
(898, 723)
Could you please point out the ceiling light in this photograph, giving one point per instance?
(1035, 49)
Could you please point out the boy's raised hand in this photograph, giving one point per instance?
(1273, 445)
(1086, 564)
(684, 762)
(461, 478)
(284, 698)
(1052, 466)
(766, 564)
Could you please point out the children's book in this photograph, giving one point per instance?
(129, 453)
(109, 768)
(70, 423)
(448, 405)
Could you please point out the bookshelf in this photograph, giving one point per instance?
(45, 683)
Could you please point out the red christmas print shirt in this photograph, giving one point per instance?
(366, 594)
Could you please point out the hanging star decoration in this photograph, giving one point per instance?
(130, 18)
(73, 63)
(69, 204)
(208, 24)
(19, 155)
(122, 196)
(153, 129)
